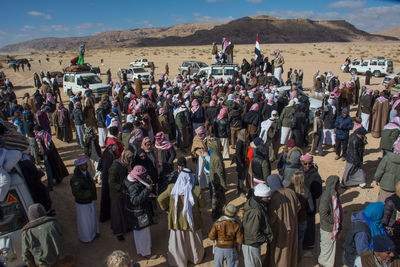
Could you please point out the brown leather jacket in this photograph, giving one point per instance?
(227, 232)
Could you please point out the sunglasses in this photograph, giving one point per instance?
(307, 163)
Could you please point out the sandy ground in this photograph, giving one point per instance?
(310, 57)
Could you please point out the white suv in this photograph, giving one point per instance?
(140, 62)
(379, 66)
(133, 73)
(224, 71)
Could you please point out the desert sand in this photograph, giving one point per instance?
(309, 57)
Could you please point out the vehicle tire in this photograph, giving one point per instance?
(377, 74)
(353, 71)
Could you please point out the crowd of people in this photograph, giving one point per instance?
(133, 138)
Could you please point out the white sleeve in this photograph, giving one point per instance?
(357, 262)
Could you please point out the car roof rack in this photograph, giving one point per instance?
(224, 64)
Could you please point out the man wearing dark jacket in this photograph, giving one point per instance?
(211, 115)
(29, 122)
(77, 116)
(343, 125)
(328, 117)
(84, 192)
(101, 124)
(260, 165)
(313, 182)
(256, 228)
(366, 108)
(235, 121)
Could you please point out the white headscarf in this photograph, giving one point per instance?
(265, 125)
(183, 187)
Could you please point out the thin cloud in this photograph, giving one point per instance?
(27, 27)
(347, 4)
(144, 23)
(214, 1)
(254, 1)
(54, 28)
(38, 14)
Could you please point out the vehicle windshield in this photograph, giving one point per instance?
(12, 214)
(202, 64)
(229, 71)
(90, 79)
(216, 72)
(139, 70)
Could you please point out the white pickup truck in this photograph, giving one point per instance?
(77, 82)
(133, 73)
(140, 62)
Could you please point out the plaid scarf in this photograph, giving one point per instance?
(338, 216)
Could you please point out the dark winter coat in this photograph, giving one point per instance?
(137, 203)
(235, 115)
(101, 117)
(221, 128)
(388, 137)
(313, 182)
(29, 122)
(116, 176)
(77, 116)
(83, 187)
(355, 151)
(343, 126)
(260, 165)
(326, 206)
(388, 172)
(198, 116)
(328, 117)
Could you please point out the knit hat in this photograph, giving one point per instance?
(262, 190)
(181, 161)
(382, 243)
(257, 141)
(230, 210)
(80, 161)
(274, 181)
(290, 143)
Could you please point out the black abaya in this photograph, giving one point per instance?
(105, 163)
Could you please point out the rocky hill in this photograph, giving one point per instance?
(393, 32)
(240, 31)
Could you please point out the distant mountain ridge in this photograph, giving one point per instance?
(393, 32)
(239, 31)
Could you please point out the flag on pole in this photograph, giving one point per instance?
(259, 56)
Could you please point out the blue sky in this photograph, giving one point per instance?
(25, 20)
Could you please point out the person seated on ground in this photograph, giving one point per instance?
(364, 226)
(382, 254)
(43, 240)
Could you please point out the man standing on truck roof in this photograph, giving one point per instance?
(81, 55)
